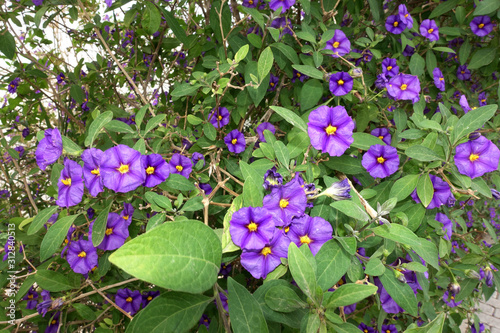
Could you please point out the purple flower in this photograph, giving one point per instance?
(286, 202)
(473, 328)
(463, 73)
(235, 141)
(46, 303)
(263, 261)
(205, 320)
(464, 104)
(429, 29)
(37, 2)
(330, 129)
(383, 134)
(298, 75)
(130, 301)
(197, 157)
(156, 168)
(32, 298)
(206, 187)
(339, 44)
(262, 127)
(389, 328)
(475, 158)
(122, 169)
(219, 118)
(481, 25)
(4, 194)
(108, 2)
(49, 149)
(181, 165)
(441, 193)
(250, 4)
(405, 16)
(70, 184)
(381, 81)
(82, 256)
(127, 212)
(116, 232)
(338, 190)
(495, 194)
(282, 23)
(341, 83)
(366, 329)
(388, 304)
(26, 132)
(12, 87)
(273, 81)
(408, 51)
(438, 79)
(272, 179)
(225, 269)
(395, 25)
(53, 325)
(405, 87)
(449, 299)
(251, 228)
(147, 297)
(381, 161)
(284, 4)
(482, 98)
(91, 173)
(447, 225)
(313, 231)
(61, 79)
(390, 67)
(488, 276)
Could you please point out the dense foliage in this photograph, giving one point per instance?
(255, 166)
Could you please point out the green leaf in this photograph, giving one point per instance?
(193, 120)
(416, 267)
(227, 243)
(482, 57)
(251, 75)
(349, 244)
(140, 146)
(346, 164)
(375, 9)
(55, 236)
(374, 267)
(139, 116)
(170, 312)
(417, 64)
(173, 24)
(55, 174)
(70, 147)
(310, 94)
(478, 184)
(302, 271)
(412, 134)
(252, 188)
(464, 52)
(291, 117)
(185, 89)
(287, 51)
(119, 127)
(99, 228)
(472, 120)
(161, 201)
(332, 263)
(421, 153)
(244, 310)
(193, 205)
(425, 190)
(400, 292)
(435, 326)
(7, 44)
(153, 122)
(52, 281)
(179, 182)
(443, 8)
(41, 218)
(351, 209)
(365, 141)
(431, 61)
(283, 299)
(84, 311)
(265, 63)
(309, 71)
(77, 93)
(151, 18)
(155, 221)
(345, 327)
(209, 131)
(282, 153)
(404, 187)
(97, 125)
(181, 256)
(348, 294)
(486, 7)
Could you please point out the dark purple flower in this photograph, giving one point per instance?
(70, 184)
(383, 134)
(197, 157)
(284, 4)
(273, 82)
(235, 141)
(272, 179)
(488, 276)
(286, 202)
(405, 16)
(464, 104)
(441, 193)
(53, 325)
(395, 25)
(26, 132)
(408, 51)
(389, 329)
(206, 187)
(116, 232)
(251, 228)
(381, 81)
(495, 194)
(219, 118)
(339, 44)
(122, 169)
(449, 299)
(46, 303)
(157, 170)
(313, 231)
(473, 328)
(12, 87)
(49, 149)
(405, 87)
(127, 212)
(482, 98)
(225, 269)
(61, 79)
(341, 83)
(147, 297)
(205, 320)
(366, 329)
(447, 225)
(82, 256)
(284, 24)
(108, 3)
(330, 129)
(438, 79)
(475, 158)
(261, 262)
(390, 67)
(298, 76)
(32, 298)
(181, 165)
(262, 127)
(91, 173)
(130, 301)
(463, 73)
(429, 29)
(481, 25)
(381, 161)
(250, 4)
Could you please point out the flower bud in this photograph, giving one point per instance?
(454, 287)
(495, 194)
(338, 190)
(488, 276)
(400, 276)
(474, 135)
(472, 274)
(356, 72)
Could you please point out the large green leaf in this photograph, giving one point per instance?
(52, 281)
(283, 299)
(227, 242)
(435, 326)
(252, 188)
(244, 310)
(421, 153)
(179, 182)
(97, 125)
(151, 18)
(287, 51)
(265, 63)
(290, 116)
(99, 227)
(181, 256)
(70, 147)
(302, 271)
(482, 57)
(345, 164)
(7, 44)
(41, 218)
(365, 141)
(472, 120)
(400, 292)
(425, 190)
(486, 7)
(348, 294)
(403, 187)
(55, 236)
(332, 263)
(309, 71)
(310, 94)
(153, 122)
(170, 312)
(351, 209)
(443, 8)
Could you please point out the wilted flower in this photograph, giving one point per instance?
(130, 301)
(82, 256)
(157, 170)
(122, 169)
(251, 228)
(219, 118)
(381, 161)
(475, 158)
(235, 141)
(488, 276)
(405, 87)
(341, 83)
(285, 202)
(46, 303)
(495, 194)
(438, 79)
(394, 24)
(313, 231)
(429, 29)
(339, 44)
(481, 25)
(49, 149)
(26, 132)
(272, 179)
(91, 173)
(70, 184)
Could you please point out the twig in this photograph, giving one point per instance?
(108, 300)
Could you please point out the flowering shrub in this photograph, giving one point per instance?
(249, 166)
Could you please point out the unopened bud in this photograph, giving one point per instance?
(356, 72)
(495, 194)
(474, 135)
(454, 287)
(386, 253)
(400, 276)
(488, 276)
(472, 274)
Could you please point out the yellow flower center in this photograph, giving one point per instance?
(305, 240)
(53, 322)
(330, 130)
(463, 72)
(395, 24)
(179, 168)
(287, 229)
(129, 299)
(220, 117)
(404, 86)
(473, 157)
(441, 79)
(336, 44)
(252, 226)
(265, 251)
(340, 82)
(271, 84)
(381, 160)
(483, 100)
(250, 2)
(481, 26)
(82, 254)
(233, 141)
(388, 331)
(452, 297)
(123, 168)
(389, 68)
(283, 203)
(430, 30)
(150, 170)
(125, 217)
(30, 296)
(109, 231)
(298, 74)
(380, 137)
(95, 172)
(149, 298)
(406, 15)
(66, 181)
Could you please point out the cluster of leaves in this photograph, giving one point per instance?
(150, 78)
